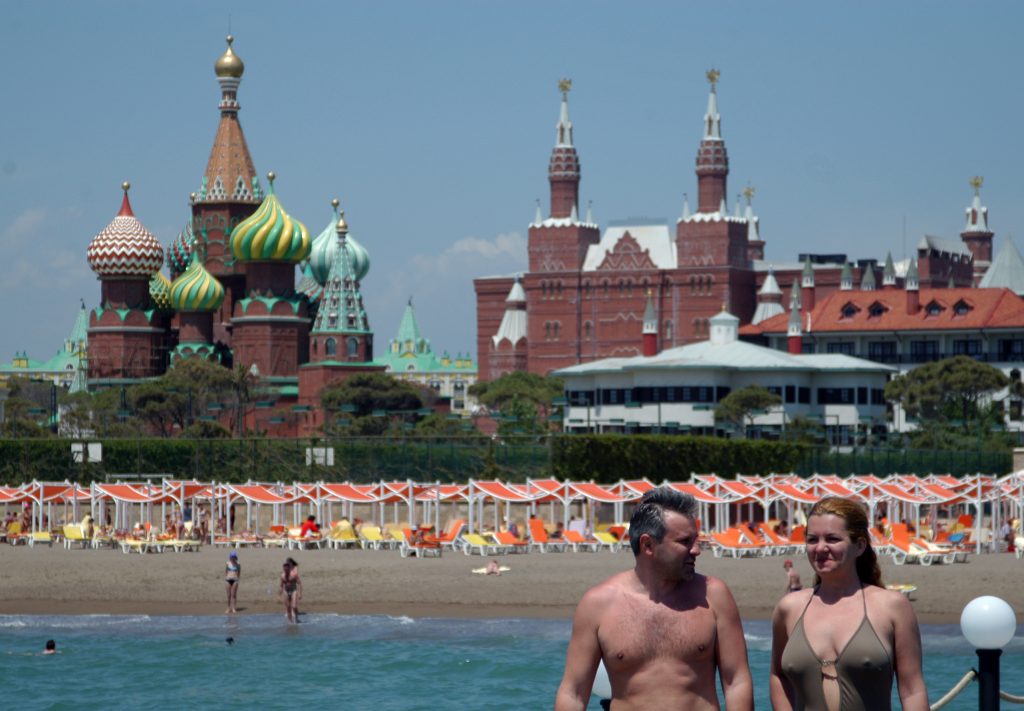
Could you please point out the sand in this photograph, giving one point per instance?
(43, 580)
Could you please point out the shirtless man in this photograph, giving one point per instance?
(661, 628)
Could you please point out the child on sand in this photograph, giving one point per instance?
(792, 577)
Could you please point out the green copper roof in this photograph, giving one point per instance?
(68, 364)
(409, 351)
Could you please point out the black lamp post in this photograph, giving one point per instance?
(989, 624)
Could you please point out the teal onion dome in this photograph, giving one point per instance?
(160, 291)
(325, 249)
(196, 289)
(270, 234)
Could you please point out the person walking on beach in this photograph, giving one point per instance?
(291, 590)
(661, 628)
(792, 577)
(838, 645)
(232, 574)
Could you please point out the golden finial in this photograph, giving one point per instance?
(334, 203)
(126, 186)
(271, 176)
(192, 197)
(230, 39)
(712, 76)
(976, 183)
(342, 225)
(565, 86)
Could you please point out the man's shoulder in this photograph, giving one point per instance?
(610, 588)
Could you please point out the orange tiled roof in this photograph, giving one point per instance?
(886, 310)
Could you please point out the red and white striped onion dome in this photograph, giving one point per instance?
(125, 247)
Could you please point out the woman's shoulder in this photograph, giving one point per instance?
(793, 602)
(891, 602)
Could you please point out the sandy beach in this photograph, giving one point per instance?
(43, 580)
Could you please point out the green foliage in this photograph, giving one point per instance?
(523, 399)
(608, 458)
(357, 399)
(947, 392)
(740, 407)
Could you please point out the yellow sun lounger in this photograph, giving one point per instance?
(342, 536)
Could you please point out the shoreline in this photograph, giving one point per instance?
(55, 581)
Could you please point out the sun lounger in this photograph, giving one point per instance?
(475, 542)
(607, 540)
(450, 538)
(779, 545)
(943, 554)
(342, 535)
(371, 537)
(310, 540)
(73, 534)
(577, 541)
(539, 538)
(129, 545)
(41, 538)
(731, 542)
(513, 543)
(408, 545)
(15, 535)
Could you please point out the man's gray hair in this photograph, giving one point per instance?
(649, 515)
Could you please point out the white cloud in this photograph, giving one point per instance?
(474, 256)
(23, 229)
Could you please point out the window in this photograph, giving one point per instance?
(933, 309)
(877, 309)
(588, 330)
(352, 346)
(924, 351)
(862, 396)
(961, 308)
(790, 394)
(849, 310)
(843, 348)
(668, 330)
(877, 396)
(804, 396)
(968, 348)
(835, 396)
(330, 347)
(882, 351)
(1011, 349)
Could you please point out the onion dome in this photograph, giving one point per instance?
(325, 248)
(196, 289)
(270, 234)
(125, 247)
(229, 64)
(160, 291)
(181, 249)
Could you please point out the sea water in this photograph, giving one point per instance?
(347, 662)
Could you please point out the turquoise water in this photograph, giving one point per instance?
(345, 662)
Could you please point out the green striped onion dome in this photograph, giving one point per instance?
(196, 289)
(160, 291)
(325, 248)
(270, 235)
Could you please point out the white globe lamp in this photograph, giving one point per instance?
(989, 624)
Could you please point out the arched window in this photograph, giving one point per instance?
(353, 346)
(588, 330)
(554, 330)
(330, 346)
(547, 330)
(668, 331)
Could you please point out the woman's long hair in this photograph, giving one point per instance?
(855, 516)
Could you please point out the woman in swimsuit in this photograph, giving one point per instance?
(232, 573)
(837, 646)
(291, 590)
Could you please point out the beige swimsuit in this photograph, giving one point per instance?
(863, 669)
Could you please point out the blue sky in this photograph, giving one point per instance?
(433, 123)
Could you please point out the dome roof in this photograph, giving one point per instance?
(308, 285)
(270, 234)
(325, 248)
(125, 247)
(229, 64)
(196, 289)
(180, 250)
(160, 291)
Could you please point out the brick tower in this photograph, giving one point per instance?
(712, 246)
(126, 333)
(976, 235)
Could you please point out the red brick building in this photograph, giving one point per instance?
(585, 292)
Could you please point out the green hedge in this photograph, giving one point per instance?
(607, 458)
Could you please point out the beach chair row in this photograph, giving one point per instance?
(907, 548)
(743, 541)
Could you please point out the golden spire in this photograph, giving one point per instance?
(229, 64)
(712, 75)
(748, 193)
(976, 183)
(565, 86)
(342, 225)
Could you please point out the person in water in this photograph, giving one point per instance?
(792, 577)
(232, 574)
(51, 647)
(291, 590)
(838, 645)
(662, 629)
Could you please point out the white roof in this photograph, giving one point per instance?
(737, 355)
(941, 244)
(767, 309)
(513, 323)
(656, 239)
(1006, 270)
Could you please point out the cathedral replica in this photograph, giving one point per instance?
(231, 295)
(585, 293)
